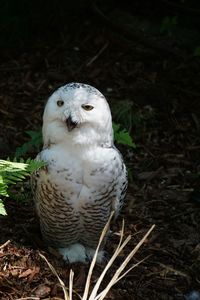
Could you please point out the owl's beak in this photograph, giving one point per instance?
(70, 124)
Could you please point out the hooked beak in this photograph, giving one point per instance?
(70, 124)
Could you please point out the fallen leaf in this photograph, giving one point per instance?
(35, 271)
(15, 272)
(42, 291)
(25, 273)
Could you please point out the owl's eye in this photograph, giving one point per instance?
(87, 107)
(60, 103)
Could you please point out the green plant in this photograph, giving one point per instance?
(132, 117)
(121, 136)
(12, 172)
(197, 51)
(168, 24)
(126, 114)
(35, 142)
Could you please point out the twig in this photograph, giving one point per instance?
(114, 256)
(97, 55)
(66, 295)
(87, 285)
(117, 274)
(134, 266)
(71, 277)
(5, 244)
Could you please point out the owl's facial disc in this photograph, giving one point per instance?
(70, 124)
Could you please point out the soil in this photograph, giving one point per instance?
(164, 168)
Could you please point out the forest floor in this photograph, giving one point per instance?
(162, 94)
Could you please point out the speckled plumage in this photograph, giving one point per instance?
(85, 177)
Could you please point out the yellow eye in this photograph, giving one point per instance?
(87, 107)
(60, 103)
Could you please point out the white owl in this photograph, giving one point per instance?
(85, 177)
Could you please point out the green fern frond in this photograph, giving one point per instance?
(12, 172)
(2, 209)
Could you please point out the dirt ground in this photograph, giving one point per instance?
(162, 94)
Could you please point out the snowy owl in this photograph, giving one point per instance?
(85, 177)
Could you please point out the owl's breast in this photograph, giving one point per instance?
(82, 178)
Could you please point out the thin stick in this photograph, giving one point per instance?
(5, 244)
(123, 265)
(71, 277)
(134, 266)
(97, 55)
(109, 264)
(87, 285)
(66, 296)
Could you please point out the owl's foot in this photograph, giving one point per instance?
(73, 253)
(100, 256)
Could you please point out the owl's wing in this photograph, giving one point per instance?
(122, 183)
(34, 182)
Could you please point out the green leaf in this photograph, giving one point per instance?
(33, 165)
(168, 24)
(122, 136)
(36, 136)
(3, 187)
(12, 172)
(35, 142)
(197, 51)
(2, 209)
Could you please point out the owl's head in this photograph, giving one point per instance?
(78, 114)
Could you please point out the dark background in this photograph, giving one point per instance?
(145, 57)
